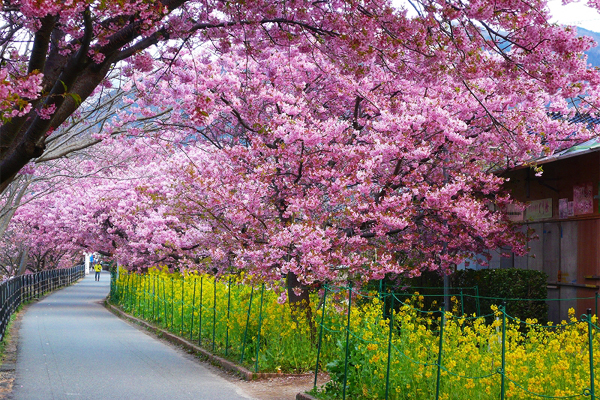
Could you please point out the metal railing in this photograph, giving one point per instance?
(20, 289)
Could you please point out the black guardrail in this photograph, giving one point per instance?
(20, 289)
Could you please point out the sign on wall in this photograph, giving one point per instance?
(563, 208)
(583, 199)
(571, 210)
(515, 213)
(539, 209)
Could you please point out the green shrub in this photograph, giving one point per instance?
(513, 283)
(476, 290)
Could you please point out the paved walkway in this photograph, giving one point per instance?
(71, 347)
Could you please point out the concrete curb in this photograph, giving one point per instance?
(227, 365)
(305, 396)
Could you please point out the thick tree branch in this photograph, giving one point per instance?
(41, 43)
(285, 21)
(31, 145)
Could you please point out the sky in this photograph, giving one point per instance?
(575, 14)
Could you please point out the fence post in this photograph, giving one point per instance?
(462, 304)
(227, 327)
(441, 344)
(193, 307)
(262, 292)
(129, 307)
(477, 305)
(113, 278)
(131, 301)
(164, 302)
(182, 287)
(347, 341)
(112, 288)
(591, 349)
(200, 313)
(214, 311)
(143, 296)
(320, 336)
(172, 302)
(596, 301)
(120, 290)
(134, 307)
(246, 328)
(21, 288)
(153, 297)
(158, 300)
(503, 368)
(125, 294)
(389, 359)
(137, 294)
(147, 294)
(2, 309)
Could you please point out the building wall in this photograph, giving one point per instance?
(567, 249)
(588, 259)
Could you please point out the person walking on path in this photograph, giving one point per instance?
(97, 268)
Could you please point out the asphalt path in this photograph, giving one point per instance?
(71, 347)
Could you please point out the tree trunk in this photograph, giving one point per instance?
(300, 304)
(23, 262)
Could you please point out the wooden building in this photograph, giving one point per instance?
(564, 211)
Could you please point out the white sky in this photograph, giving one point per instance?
(575, 14)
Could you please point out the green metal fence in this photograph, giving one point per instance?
(222, 316)
(374, 344)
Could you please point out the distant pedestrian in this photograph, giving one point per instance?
(97, 268)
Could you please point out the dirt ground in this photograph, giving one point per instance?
(284, 388)
(9, 360)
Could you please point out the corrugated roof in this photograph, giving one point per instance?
(581, 148)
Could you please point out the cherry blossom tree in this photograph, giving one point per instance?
(56, 54)
(361, 143)
(74, 139)
(394, 171)
(106, 211)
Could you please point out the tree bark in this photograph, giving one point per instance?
(23, 262)
(300, 304)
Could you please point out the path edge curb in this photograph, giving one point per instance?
(221, 362)
(305, 396)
